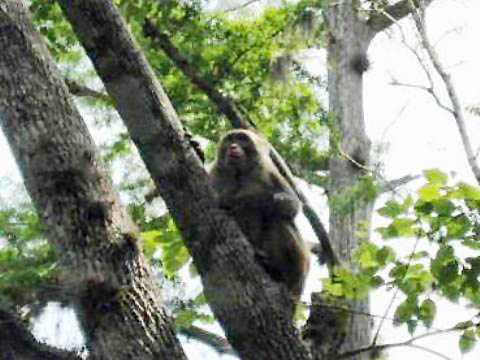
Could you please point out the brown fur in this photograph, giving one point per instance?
(262, 202)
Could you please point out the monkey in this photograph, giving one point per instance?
(251, 189)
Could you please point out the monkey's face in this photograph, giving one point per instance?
(238, 151)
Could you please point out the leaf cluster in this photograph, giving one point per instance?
(445, 220)
(27, 262)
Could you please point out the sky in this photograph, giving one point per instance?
(419, 135)
(414, 135)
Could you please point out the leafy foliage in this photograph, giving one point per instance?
(27, 261)
(447, 218)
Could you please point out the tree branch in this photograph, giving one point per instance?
(393, 184)
(224, 105)
(431, 351)
(16, 342)
(383, 18)
(428, 89)
(419, 19)
(218, 343)
(242, 6)
(80, 90)
(230, 110)
(410, 342)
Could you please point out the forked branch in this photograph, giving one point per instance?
(457, 109)
(382, 19)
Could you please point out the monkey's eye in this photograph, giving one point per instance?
(241, 137)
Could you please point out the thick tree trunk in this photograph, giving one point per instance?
(94, 238)
(347, 44)
(249, 306)
(348, 39)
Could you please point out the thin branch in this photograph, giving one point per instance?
(80, 90)
(428, 89)
(433, 352)
(385, 17)
(410, 342)
(242, 6)
(218, 343)
(397, 290)
(419, 19)
(224, 104)
(445, 35)
(393, 184)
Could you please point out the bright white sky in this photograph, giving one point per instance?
(418, 136)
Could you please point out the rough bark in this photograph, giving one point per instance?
(249, 306)
(347, 45)
(95, 240)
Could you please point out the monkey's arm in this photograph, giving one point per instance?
(279, 204)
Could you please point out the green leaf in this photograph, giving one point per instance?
(385, 255)
(467, 341)
(333, 288)
(391, 209)
(185, 318)
(435, 176)
(444, 207)
(150, 243)
(469, 192)
(423, 207)
(366, 255)
(404, 227)
(428, 311)
(376, 281)
(403, 313)
(458, 226)
(174, 257)
(429, 192)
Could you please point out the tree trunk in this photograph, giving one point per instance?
(250, 307)
(348, 40)
(350, 213)
(95, 240)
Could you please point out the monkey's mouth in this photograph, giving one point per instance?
(235, 154)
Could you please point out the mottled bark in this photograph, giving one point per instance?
(95, 240)
(249, 306)
(347, 45)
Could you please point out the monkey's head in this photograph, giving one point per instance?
(240, 151)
